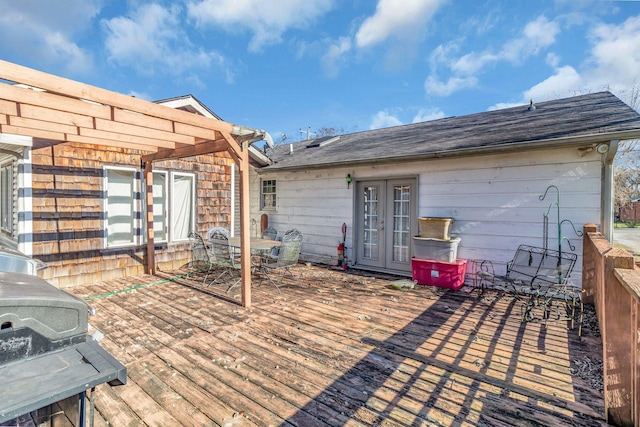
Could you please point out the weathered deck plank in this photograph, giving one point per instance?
(333, 349)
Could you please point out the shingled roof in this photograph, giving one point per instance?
(578, 120)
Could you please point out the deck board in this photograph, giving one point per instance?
(334, 348)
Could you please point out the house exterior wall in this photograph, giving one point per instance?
(494, 200)
(630, 213)
(68, 218)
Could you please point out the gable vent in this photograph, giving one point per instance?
(321, 142)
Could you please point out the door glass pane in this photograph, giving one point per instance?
(371, 209)
(401, 198)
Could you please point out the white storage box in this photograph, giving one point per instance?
(436, 249)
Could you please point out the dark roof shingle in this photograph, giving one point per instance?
(594, 115)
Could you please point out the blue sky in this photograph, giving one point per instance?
(285, 65)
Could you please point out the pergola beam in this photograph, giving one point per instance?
(53, 109)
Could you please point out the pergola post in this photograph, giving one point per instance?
(151, 257)
(245, 236)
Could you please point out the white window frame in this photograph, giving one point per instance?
(165, 214)
(6, 197)
(263, 205)
(173, 210)
(134, 207)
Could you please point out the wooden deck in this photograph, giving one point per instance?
(334, 349)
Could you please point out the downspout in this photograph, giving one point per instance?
(607, 214)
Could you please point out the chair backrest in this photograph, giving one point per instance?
(215, 230)
(269, 233)
(537, 266)
(199, 253)
(220, 248)
(289, 251)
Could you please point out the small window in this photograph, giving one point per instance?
(268, 194)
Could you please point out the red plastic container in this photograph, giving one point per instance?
(438, 273)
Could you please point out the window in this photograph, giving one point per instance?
(6, 198)
(160, 226)
(182, 205)
(173, 206)
(268, 194)
(120, 206)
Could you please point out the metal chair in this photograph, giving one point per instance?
(269, 233)
(223, 257)
(288, 255)
(200, 259)
(214, 230)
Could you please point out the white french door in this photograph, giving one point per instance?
(385, 222)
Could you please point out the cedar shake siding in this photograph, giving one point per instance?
(69, 212)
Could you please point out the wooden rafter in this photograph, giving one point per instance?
(54, 110)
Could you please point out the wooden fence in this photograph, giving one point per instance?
(611, 281)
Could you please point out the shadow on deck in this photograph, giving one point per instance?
(336, 349)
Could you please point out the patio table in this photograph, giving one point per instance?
(256, 243)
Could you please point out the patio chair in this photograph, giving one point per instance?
(214, 230)
(223, 258)
(200, 259)
(288, 255)
(271, 234)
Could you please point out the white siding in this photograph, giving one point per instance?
(493, 199)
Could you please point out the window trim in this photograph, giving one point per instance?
(167, 208)
(9, 166)
(172, 229)
(263, 205)
(134, 221)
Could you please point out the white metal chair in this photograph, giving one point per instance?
(200, 259)
(288, 255)
(223, 258)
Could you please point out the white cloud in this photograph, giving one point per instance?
(615, 57)
(151, 40)
(613, 65)
(503, 105)
(427, 114)
(384, 120)
(42, 33)
(433, 86)
(565, 82)
(267, 20)
(396, 18)
(536, 36)
(473, 62)
(334, 55)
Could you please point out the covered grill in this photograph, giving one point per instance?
(46, 355)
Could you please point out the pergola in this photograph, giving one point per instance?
(53, 110)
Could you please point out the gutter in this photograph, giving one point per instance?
(607, 191)
(249, 135)
(482, 150)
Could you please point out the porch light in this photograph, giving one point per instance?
(348, 180)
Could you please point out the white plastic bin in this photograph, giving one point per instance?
(436, 249)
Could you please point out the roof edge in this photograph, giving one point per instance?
(572, 141)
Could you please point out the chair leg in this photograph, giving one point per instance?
(265, 271)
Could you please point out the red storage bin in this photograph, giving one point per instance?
(438, 273)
